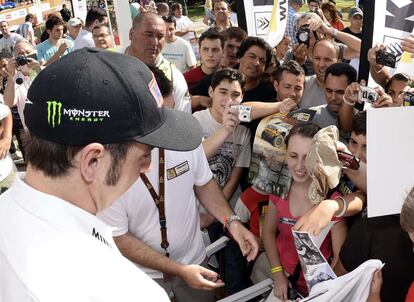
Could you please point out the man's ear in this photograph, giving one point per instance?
(90, 160)
(275, 85)
(210, 91)
(131, 33)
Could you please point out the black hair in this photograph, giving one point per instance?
(292, 67)
(170, 19)
(403, 77)
(93, 14)
(28, 17)
(53, 21)
(175, 5)
(303, 129)
(359, 123)
(211, 34)
(164, 84)
(218, 1)
(340, 69)
(228, 74)
(255, 41)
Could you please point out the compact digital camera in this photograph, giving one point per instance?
(386, 58)
(303, 35)
(367, 95)
(408, 98)
(244, 112)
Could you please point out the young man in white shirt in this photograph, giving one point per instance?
(8, 41)
(185, 27)
(95, 16)
(26, 29)
(176, 49)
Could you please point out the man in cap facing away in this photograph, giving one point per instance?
(92, 119)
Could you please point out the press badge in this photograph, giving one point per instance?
(178, 170)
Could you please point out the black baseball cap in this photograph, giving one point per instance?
(93, 95)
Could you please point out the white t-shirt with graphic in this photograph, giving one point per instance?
(180, 53)
(235, 152)
(183, 23)
(7, 44)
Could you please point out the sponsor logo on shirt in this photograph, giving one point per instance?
(100, 237)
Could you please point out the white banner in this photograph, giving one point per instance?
(266, 19)
(394, 20)
(79, 9)
(390, 145)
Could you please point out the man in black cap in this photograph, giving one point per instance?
(355, 17)
(92, 119)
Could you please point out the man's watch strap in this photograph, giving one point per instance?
(228, 220)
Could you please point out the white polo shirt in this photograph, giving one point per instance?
(136, 212)
(51, 250)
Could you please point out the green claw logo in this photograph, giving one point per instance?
(54, 113)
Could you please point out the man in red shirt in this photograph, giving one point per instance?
(211, 52)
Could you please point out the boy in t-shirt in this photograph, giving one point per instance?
(227, 147)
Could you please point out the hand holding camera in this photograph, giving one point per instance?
(372, 56)
(11, 69)
(352, 92)
(230, 118)
(300, 53)
(383, 99)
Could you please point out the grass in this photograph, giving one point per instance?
(196, 12)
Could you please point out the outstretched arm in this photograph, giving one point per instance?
(194, 275)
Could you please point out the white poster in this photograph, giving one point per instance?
(393, 22)
(79, 9)
(266, 19)
(390, 154)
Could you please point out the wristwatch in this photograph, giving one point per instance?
(230, 219)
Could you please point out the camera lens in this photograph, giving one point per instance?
(389, 61)
(303, 36)
(371, 97)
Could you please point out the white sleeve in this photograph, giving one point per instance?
(202, 171)
(243, 159)
(190, 58)
(116, 215)
(180, 91)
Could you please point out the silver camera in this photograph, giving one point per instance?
(244, 112)
(367, 95)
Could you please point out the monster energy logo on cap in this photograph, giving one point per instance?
(54, 113)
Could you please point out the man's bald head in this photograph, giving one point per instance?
(147, 37)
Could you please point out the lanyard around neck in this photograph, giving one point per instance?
(159, 199)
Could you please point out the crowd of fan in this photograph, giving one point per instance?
(205, 76)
